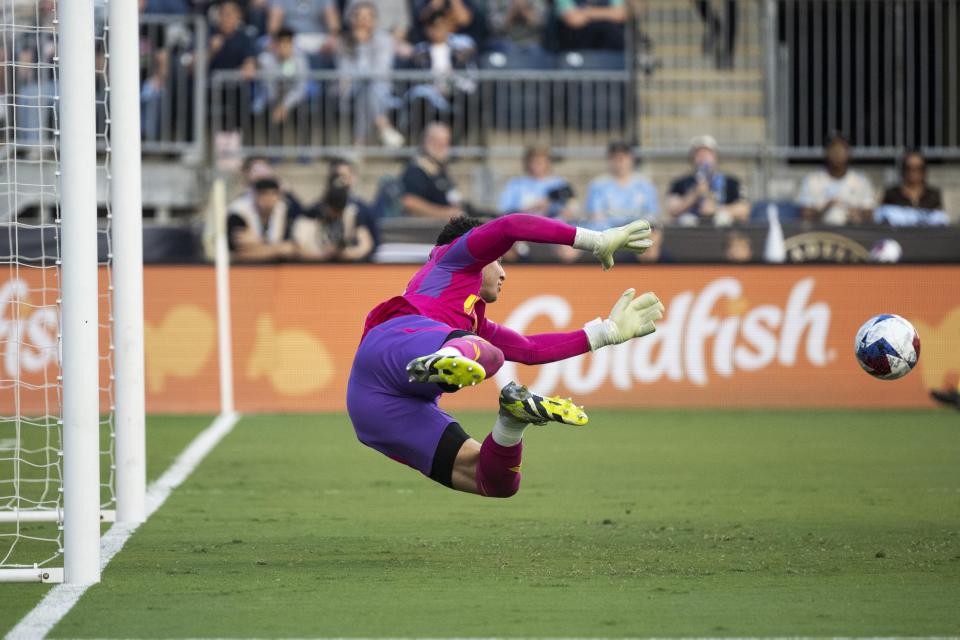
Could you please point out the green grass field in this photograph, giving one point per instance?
(661, 523)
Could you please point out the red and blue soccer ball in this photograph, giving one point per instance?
(887, 347)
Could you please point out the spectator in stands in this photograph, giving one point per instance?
(259, 224)
(443, 52)
(913, 201)
(316, 23)
(428, 191)
(392, 17)
(539, 191)
(591, 24)
(622, 195)
(339, 227)
(836, 194)
(721, 49)
(737, 247)
(466, 18)
(256, 168)
(367, 49)
(285, 86)
(230, 46)
(516, 23)
(707, 195)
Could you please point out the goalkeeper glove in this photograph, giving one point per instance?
(631, 317)
(631, 237)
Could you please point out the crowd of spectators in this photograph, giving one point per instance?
(285, 39)
(268, 223)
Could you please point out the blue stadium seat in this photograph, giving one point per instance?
(518, 104)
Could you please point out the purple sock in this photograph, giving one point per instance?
(498, 470)
(478, 349)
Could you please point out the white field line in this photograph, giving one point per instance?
(61, 598)
(629, 638)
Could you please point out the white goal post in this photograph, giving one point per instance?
(95, 366)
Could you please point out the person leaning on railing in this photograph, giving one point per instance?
(284, 87)
(707, 196)
(444, 53)
(392, 17)
(230, 45)
(367, 49)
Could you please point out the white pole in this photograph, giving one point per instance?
(221, 258)
(78, 273)
(125, 197)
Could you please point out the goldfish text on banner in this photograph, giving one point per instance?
(745, 337)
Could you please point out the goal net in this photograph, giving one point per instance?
(33, 445)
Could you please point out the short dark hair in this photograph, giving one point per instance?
(284, 33)
(456, 227)
(266, 184)
(834, 137)
(619, 146)
(433, 17)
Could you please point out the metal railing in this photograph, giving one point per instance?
(886, 73)
(173, 81)
(490, 113)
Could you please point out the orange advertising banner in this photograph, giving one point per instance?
(754, 336)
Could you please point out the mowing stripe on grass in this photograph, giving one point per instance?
(61, 598)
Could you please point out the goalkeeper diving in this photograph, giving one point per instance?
(436, 338)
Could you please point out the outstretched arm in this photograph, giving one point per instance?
(631, 317)
(481, 246)
(535, 349)
(489, 241)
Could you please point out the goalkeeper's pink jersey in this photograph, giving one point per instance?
(447, 287)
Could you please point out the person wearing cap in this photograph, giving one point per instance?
(622, 195)
(707, 195)
(836, 194)
(259, 224)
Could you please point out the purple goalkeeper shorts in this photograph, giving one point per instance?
(398, 418)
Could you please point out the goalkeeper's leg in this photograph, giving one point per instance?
(492, 469)
(462, 361)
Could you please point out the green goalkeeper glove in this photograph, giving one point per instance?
(631, 317)
(631, 237)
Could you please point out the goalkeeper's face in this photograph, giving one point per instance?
(493, 277)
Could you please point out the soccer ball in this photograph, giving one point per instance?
(887, 347)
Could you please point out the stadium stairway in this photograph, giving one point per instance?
(688, 94)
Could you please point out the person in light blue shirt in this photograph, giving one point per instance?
(538, 191)
(620, 196)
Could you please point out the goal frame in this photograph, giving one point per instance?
(81, 513)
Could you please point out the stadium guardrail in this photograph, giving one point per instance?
(490, 112)
(173, 85)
